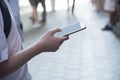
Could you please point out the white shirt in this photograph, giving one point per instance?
(110, 5)
(11, 45)
(15, 10)
(14, 5)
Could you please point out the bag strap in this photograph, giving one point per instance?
(6, 18)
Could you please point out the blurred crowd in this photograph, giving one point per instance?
(34, 17)
(112, 7)
(36, 23)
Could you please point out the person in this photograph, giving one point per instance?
(73, 5)
(14, 4)
(111, 6)
(98, 4)
(13, 59)
(53, 5)
(34, 18)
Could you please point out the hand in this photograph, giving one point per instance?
(49, 43)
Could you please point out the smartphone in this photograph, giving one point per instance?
(70, 29)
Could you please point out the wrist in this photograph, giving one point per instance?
(39, 47)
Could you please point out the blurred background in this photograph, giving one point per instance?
(91, 54)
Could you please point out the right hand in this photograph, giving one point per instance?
(49, 43)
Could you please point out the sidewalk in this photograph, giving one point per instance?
(91, 54)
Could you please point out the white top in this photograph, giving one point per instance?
(14, 5)
(110, 5)
(11, 45)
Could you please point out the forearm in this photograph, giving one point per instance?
(17, 60)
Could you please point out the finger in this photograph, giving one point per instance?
(62, 39)
(65, 37)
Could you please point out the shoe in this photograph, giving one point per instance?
(36, 25)
(43, 20)
(108, 28)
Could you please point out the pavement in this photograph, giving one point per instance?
(91, 54)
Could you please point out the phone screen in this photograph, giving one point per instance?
(70, 29)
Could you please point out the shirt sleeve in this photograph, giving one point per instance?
(3, 43)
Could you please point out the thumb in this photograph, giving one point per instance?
(55, 30)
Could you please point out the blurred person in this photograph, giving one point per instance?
(93, 1)
(98, 4)
(13, 58)
(118, 9)
(53, 5)
(73, 5)
(110, 7)
(14, 4)
(34, 18)
(118, 14)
